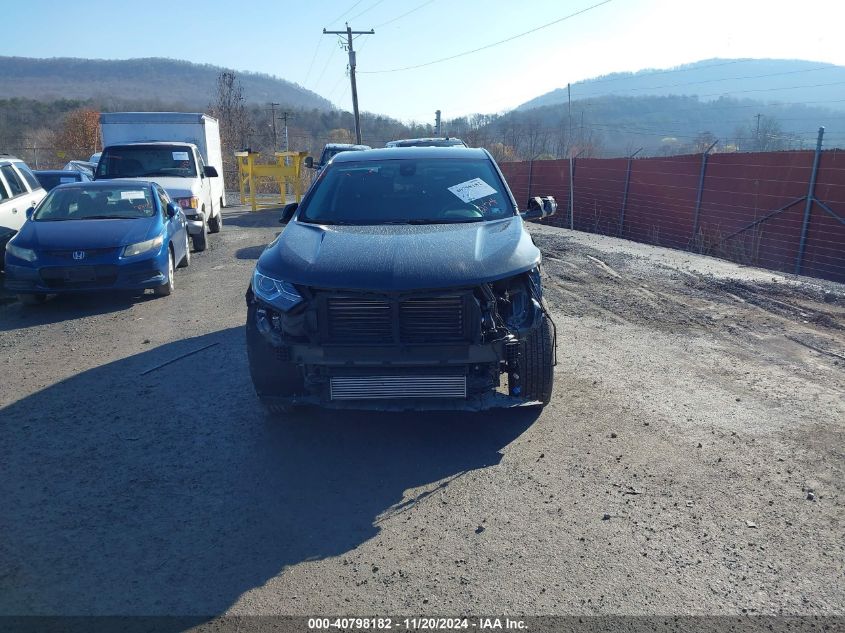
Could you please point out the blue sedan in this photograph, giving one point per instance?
(97, 236)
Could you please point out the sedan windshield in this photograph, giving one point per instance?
(140, 161)
(78, 203)
(408, 191)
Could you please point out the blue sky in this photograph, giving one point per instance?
(284, 38)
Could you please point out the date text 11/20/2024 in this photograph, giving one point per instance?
(416, 624)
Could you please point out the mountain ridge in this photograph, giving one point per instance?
(769, 80)
(163, 79)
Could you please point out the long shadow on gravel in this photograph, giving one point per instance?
(171, 493)
(60, 308)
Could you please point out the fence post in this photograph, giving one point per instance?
(572, 188)
(625, 191)
(811, 197)
(700, 193)
(530, 175)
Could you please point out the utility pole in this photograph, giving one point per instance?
(437, 123)
(349, 33)
(285, 116)
(273, 123)
(757, 133)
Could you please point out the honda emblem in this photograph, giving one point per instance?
(77, 255)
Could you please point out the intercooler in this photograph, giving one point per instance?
(397, 387)
(361, 320)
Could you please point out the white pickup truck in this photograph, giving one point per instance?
(180, 151)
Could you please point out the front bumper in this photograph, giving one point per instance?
(455, 376)
(195, 221)
(54, 279)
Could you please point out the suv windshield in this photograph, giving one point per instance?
(76, 203)
(408, 191)
(139, 161)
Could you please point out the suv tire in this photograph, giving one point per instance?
(538, 364)
(215, 223)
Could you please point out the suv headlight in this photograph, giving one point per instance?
(142, 247)
(276, 292)
(26, 254)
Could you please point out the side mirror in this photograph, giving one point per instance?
(210, 171)
(287, 212)
(540, 207)
(172, 209)
(29, 213)
(309, 162)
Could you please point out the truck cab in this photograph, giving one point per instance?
(180, 169)
(179, 150)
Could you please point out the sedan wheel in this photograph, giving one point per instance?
(186, 260)
(167, 289)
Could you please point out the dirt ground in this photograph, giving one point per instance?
(691, 460)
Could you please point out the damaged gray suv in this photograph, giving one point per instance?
(404, 280)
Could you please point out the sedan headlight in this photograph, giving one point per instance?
(143, 247)
(276, 292)
(26, 254)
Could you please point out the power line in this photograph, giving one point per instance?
(399, 17)
(367, 10)
(313, 59)
(481, 48)
(346, 12)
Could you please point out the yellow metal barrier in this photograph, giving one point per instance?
(250, 171)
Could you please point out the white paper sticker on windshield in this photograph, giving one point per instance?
(64, 180)
(472, 190)
(180, 156)
(131, 195)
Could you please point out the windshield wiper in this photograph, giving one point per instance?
(433, 221)
(159, 172)
(330, 222)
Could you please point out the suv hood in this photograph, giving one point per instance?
(400, 257)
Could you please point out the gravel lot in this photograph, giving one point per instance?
(691, 461)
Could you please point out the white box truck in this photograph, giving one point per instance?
(180, 151)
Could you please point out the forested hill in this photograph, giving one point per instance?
(150, 79)
(764, 80)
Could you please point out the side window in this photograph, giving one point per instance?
(163, 199)
(28, 176)
(4, 194)
(16, 187)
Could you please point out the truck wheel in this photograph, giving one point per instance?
(200, 240)
(215, 223)
(538, 363)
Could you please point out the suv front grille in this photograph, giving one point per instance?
(365, 320)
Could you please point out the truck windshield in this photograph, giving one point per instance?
(408, 191)
(140, 161)
(80, 203)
